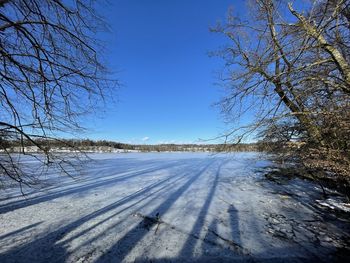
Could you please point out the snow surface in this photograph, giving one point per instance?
(170, 207)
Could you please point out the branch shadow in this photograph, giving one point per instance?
(89, 185)
(47, 248)
(205, 234)
(123, 246)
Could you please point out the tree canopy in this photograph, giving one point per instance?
(290, 67)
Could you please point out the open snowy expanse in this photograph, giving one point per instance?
(166, 207)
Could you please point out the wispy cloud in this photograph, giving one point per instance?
(145, 139)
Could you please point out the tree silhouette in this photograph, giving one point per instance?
(51, 74)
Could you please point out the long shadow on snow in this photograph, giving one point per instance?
(121, 249)
(189, 245)
(154, 198)
(211, 238)
(48, 249)
(91, 171)
(289, 252)
(228, 252)
(21, 230)
(55, 251)
(81, 188)
(285, 254)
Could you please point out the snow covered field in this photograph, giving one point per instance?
(166, 207)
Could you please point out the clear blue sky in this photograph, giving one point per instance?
(159, 50)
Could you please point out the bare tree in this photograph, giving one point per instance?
(51, 75)
(291, 69)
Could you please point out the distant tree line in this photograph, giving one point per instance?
(87, 144)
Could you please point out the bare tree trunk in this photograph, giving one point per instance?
(294, 104)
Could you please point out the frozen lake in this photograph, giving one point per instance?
(169, 207)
